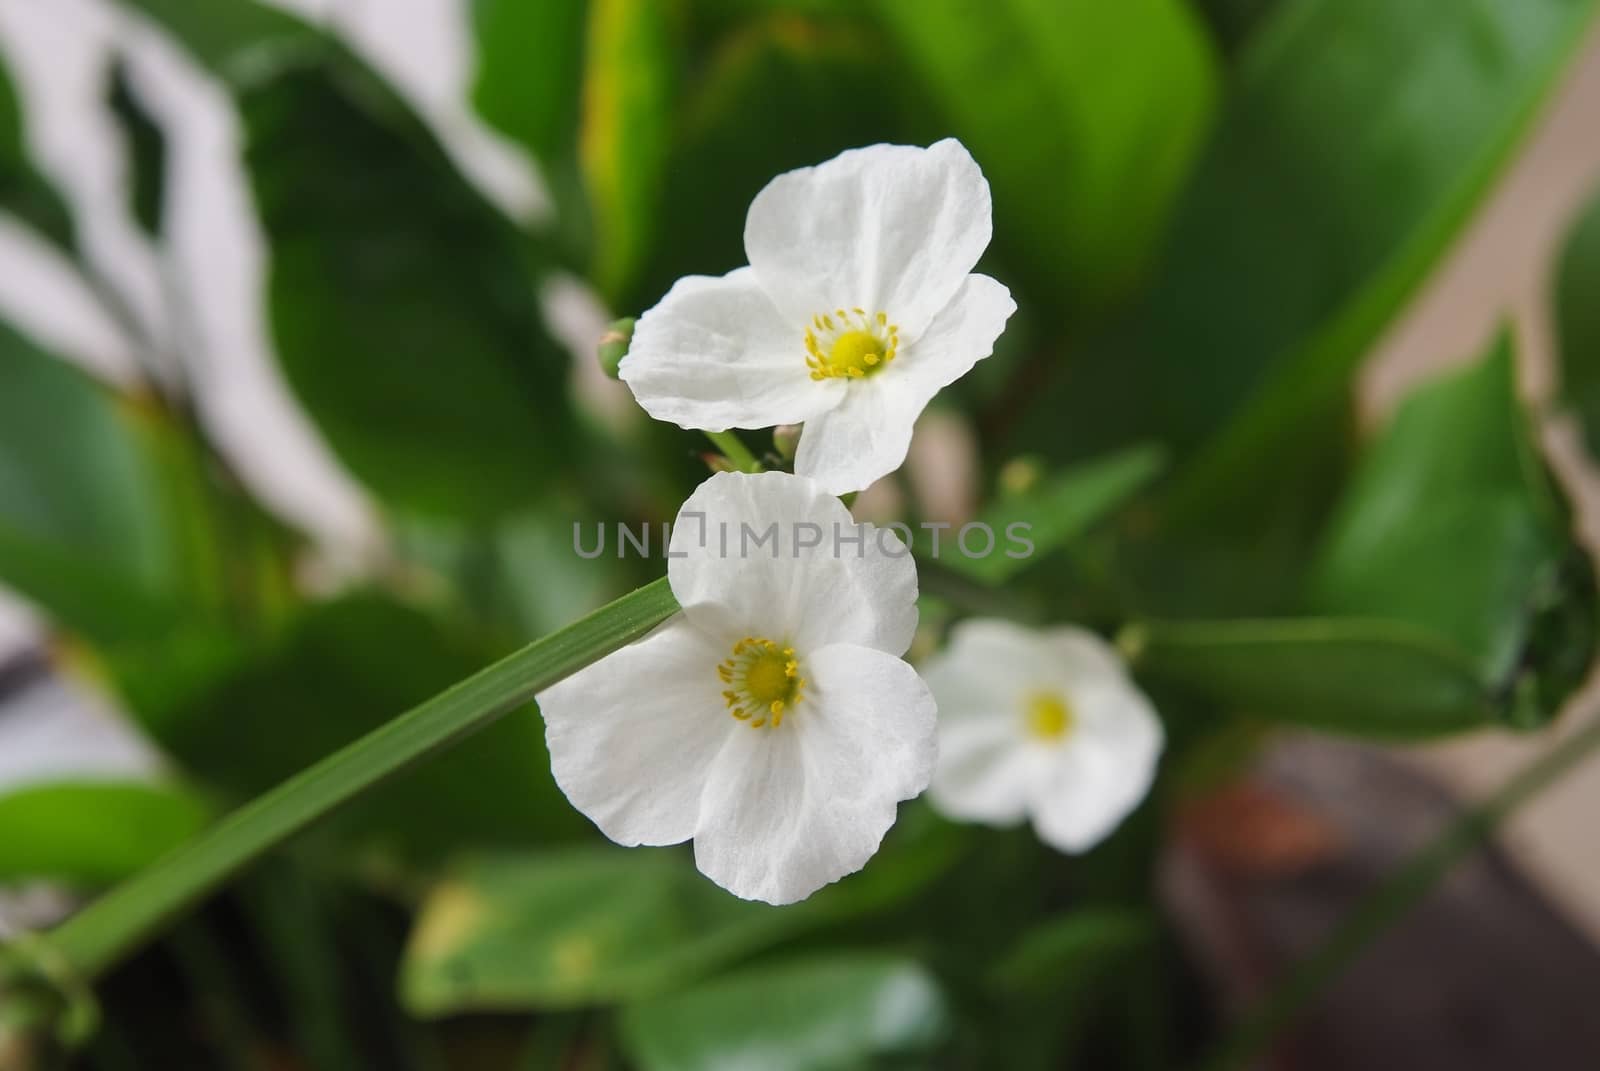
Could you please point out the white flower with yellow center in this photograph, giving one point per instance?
(773, 720)
(859, 305)
(1040, 724)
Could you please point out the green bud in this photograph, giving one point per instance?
(1019, 476)
(614, 345)
(786, 440)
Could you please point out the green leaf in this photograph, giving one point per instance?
(93, 832)
(109, 929)
(1058, 512)
(147, 152)
(823, 1014)
(1086, 117)
(1336, 181)
(1453, 524)
(404, 316)
(23, 191)
(530, 72)
(598, 926)
(239, 40)
(1577, 314)
(337, 672)
(1059, 977)
(1449, 588)
(1057, 959)
(1376, 678)
(83, 531)
(623, 144)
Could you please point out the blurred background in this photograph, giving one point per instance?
(298, 406)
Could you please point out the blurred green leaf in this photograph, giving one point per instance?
(1451, 522)
(1058, 512)
(93, 832)
(239, 40)
(530, 72)
(404, 316)
(1059, 975)
(147, 152)
(824, 1014)
(23, 191)
(1577, 313)
(1450, 589)
(623, 143)
(1055, 960)
(597, 926)
(1086, 117)
(1234, 22)
(1376, 678)
(256, 717)
(529, 86)
(1336, 181)
(83, 531)
(582, 927)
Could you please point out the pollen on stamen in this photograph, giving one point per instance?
(765, 679)
(853, 346)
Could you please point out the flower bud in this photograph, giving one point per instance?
(1019, 476)
(614, 345)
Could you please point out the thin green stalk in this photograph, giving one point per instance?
(1381, 908)
(734, 449)
(109, 929)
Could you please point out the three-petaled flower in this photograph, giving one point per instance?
(859, 305)
(773, 720)
(1042, 724)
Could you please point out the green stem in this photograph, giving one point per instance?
(734, 449)
(114, 926)
(1392, 899)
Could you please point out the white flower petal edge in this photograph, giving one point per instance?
(1040, 724)
(773, 720)
(892, 227)
(715, 354)
(858, 307)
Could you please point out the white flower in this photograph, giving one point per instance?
(1042, 724)
(773, 720)
(858, 306)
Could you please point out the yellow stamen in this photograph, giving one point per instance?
(852, 347)
(765, 679)
(1048, 715)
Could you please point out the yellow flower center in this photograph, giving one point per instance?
(849, 344)
(1048, 715)
(763, 680)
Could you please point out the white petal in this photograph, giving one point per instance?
(986, 770)
(733, 580)
(715, 353)
(1083, 656)
(632, 736)
(1077, 789)
(861, 440)
(866, 436)
(891, 228)
(1097, 778)
(988, 667)
(791, 809)
(961, 335)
